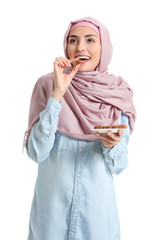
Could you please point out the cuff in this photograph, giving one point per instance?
(52, 110)
(106, 152)
(53, 105)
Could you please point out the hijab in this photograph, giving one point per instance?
(93, 97)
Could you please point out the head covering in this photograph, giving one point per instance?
(93, 98)
(85, 24)
(106, 44)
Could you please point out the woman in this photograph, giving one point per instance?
(74, 195)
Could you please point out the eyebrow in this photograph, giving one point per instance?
(88, 35)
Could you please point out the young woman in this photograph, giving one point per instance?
(74, 195)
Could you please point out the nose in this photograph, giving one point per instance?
(81, 46)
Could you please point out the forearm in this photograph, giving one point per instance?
(57, 95)
(116, 157)
(42, 135)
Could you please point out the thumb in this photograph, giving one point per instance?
(74, 70)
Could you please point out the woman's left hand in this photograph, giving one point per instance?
(110, 139)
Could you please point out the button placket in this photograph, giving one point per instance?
(76, 195)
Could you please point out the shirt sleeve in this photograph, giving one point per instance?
(116, 157)
(42, 136)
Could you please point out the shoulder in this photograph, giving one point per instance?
(44, 85)
(118, 82)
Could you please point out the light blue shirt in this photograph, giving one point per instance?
(74, 197)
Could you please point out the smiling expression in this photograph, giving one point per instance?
(84, 43)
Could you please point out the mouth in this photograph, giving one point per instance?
(83, 58)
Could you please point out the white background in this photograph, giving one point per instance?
(31, 37)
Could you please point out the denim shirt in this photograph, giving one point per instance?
(74, 197)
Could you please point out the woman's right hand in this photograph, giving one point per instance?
(61, 80)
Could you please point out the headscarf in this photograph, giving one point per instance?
(93, 97)
(85, 24)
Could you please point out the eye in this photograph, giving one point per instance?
(73, 41)
(90, 40)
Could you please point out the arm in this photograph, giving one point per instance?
(116, 157)
(41, 139)
(43, 117)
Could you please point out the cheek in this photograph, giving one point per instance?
(97, 53)
(70, 51)
(96, 57)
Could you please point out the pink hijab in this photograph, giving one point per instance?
(93, 98)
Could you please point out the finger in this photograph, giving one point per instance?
(110, 141)
(66, 63)
(103, 136)
(120, 133)
(115, 136)
(58, 67)
(74, 70)
(58, 63)
(62, 62)
(75, 61)
(106, 138)
(109, 135)
(98, 134)
(106, 144)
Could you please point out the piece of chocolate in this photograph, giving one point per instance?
(111, 127)
(78, 61)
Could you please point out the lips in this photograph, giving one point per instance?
(83, 57)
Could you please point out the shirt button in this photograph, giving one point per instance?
(81, 150)
(79, 174)
(77, 198)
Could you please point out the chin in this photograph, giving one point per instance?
(85, 69)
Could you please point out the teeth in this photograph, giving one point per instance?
(83, 57)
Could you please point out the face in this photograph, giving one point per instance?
(84, 43)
